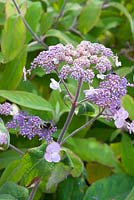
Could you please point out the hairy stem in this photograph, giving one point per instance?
(16, 149)
(82, 127)
(32, 194)
(28, 27)
(65, 86)
(71, 113)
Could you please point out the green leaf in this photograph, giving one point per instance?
(114, 187)
(13, 71)
(7, 157)
(15, 190)
(130, 195)
(75, 162)
(10, 173)
(86, 108)
(89, 16)
(71, 189)
(59, 173)
(13, 38)
(26, 99)
(128, 104)
(59, 106)
(123, 71)
(46, 22)
(3, 130)
(62, 36)
(6, 197)
(127, 154)
(123, 9)
(32, 17)
(92, 150)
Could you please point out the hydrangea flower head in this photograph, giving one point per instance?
(31, 126)
(52, 153)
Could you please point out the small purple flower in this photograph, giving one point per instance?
(109, 93)
(5, 109)
(120, 118)
(52, 153)
(31, 126)
(3, 138)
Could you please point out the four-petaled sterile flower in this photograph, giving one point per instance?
(120, 117)
(52, 153)
(55, 85)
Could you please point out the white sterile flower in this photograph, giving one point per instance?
(101, 76)
(120, 117)
(24, 73)
(55, 61)
(55, 85)
(90, 92)
(117, 62)
(15, 109)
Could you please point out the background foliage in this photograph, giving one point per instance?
(99, 161)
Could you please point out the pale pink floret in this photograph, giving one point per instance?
(120, 117)
(52, 153)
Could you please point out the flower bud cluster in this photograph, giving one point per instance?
(5, 109)
(31, 126)
(78, 63)
(108, 94)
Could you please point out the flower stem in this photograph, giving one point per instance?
(16, 149)
(82, 127)
(71, 113)
(32, 194)
(28, 27)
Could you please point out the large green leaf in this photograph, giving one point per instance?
(13, 71)
(89, 16)
(114, 187)
(92, 150)
(71, 189)
(13, 38)
(123, 9)
(7, 157)
(59, 107)
(130, 195)
(26, 99)
(127, 154)
(75, 162)
(32, 17)
(62, 36)
(10, 173)
(128, 104)
(6, 197)
(59, 173)
(15, 190)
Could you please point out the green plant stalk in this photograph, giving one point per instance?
(82, 127)
(33, 192)
(28, 27)
(71, 113)
(16, 149)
